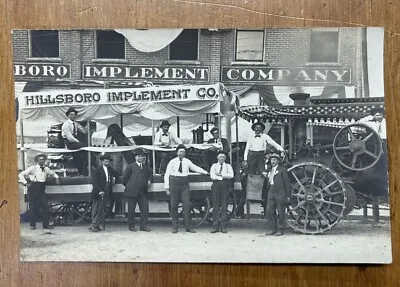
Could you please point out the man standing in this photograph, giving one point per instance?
(71, 132)
(167, 139)
(279, 192)
(102, 179)
(36, 176)
(177, 186)
(221, 174)
(256, 147)
(210, 156)
(137, 179)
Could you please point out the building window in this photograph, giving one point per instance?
(110, 45)
(185, 46)
(250, 45)
(324, 47)
(45, 44)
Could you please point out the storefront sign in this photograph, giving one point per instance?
(287, 76)
(127, 96)
(149, 73)
(41, 71)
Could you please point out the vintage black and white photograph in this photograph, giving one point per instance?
(202, 145)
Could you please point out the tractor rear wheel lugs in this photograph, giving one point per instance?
(318, 198)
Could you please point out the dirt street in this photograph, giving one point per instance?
(350, 241)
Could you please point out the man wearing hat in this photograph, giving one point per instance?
(279, 193)
(70, 132)
(221, 174)
(256, 146)
(137, 179)
(210, 155)
(36, 176)
(377, 122)
(176, 183)
(102, 179)
(165, 138)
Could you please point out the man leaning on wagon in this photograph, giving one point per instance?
(176, 183)
(36, 176)
(256, 146)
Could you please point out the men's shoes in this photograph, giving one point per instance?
(190, 230)
(33, 227)
(94, 229)
(48, 227)
(223, 230)
(132, 229)
(146, 228)
(279, 233)
(174, 230)
(273, 232)
(215, 230)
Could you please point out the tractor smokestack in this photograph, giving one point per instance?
(300, 99)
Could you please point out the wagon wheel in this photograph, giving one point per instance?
(357, 147)
(318, 198)
(68, 213)
(231, 207)
(199, 209)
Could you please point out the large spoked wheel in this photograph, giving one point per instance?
(318, 198)
(230, 210)
(357, 147)
(68, 213)
(199, 209)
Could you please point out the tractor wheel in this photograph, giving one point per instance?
(351, 199)
(318, 198)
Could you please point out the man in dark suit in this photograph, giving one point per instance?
(279, 192)
(102, 180)
(137, 179)
(210, 155)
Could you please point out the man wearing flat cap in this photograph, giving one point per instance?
(102, 180)
(279, 193)
(167, 139)
(176, 183)
(36, 176)
(256, 146)
(210, 155)
(137, 179)
(221, 174)
(71, 131)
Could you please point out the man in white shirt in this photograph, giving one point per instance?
(71, 132)
(256, 146)
(37, 175)
(221, 174)
(167, 139)
(176, 183)
(376, 121)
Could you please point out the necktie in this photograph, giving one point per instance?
(73, 123)
(42, 168)
(379, 128)
(141, 167)
(220, 169)
(258, 136)
(180, 167)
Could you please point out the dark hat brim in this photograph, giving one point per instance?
(165, 123)
(103, 157)
(36, 157)
(71, 110)
(214, 129)
(253, 126)
(222, 152)
(278, 157)
(138, 152)
(181, 146)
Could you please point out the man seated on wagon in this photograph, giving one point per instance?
(74, 135)
(210, 156)
(167, 139)
(256, 146)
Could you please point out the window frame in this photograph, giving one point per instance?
(30, 46)
(96, 58)
(331, 29)
(236, 46)
(195, 61)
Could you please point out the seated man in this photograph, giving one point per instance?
(167, 139)
(210, 156)
(72, 132)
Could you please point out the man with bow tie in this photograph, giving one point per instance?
(71, 132)
(279, 193)
(256, 146)
(37, 176)
(102, 180)
(137, 179)
(167, 139)
(210, 156)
